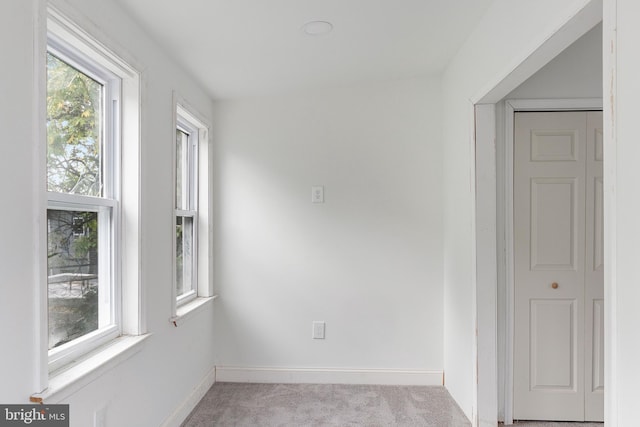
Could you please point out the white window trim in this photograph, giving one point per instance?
(181, 308)
(62, 32)
(77, 375)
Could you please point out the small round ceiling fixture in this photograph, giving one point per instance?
(317, 28)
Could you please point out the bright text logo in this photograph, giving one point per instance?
(34, 415)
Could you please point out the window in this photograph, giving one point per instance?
(191, 211)
(91, 107)
(83, 209)
(186, 209)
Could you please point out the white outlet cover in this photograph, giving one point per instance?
(317, 194)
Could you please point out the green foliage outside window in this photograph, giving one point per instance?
(74, 115)
(74, 166)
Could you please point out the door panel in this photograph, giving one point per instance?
(598, 351)
(549, 242)
(553, 224)
(553, 355)
(559, 292)
(594, 273)
(554, 145)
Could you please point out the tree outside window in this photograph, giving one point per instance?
(74, 166)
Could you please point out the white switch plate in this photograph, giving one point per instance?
(99, 417)
(318, 330)
(317, 194)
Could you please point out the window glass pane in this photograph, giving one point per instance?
(74, 130)
(184, 254)
(72, 267)
(182, 168)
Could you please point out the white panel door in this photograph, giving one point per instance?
(557, 209)
(594, 273)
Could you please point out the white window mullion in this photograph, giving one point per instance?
(193, 194)
(182, 158)
(105, 263)
(112, 165)
(188, 243)
(193, 171)
(187, 213)
(60, 199)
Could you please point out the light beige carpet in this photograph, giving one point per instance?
(302, 405)
(554, 424)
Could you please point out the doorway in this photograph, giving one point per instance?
(493, 338)
(558, 286)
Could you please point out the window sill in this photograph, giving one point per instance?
(71, 378)
(185, 311)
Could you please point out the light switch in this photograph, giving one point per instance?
(318, 330)
(317, 194)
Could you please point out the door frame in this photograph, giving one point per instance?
(506, 279)
(485, 120)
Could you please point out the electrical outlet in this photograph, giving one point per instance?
(318, 330)
(317, 194)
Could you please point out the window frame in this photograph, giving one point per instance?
(106, 205)
(121, 106)
(187, 118)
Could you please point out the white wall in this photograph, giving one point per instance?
(147, 388)
(506, 37)
(368, 261)
(18, 369)
(622, 210)
(574, 73)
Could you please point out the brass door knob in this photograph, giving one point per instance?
(554, 285)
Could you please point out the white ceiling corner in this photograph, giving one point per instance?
(240, 48)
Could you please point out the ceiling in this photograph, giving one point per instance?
(239, 48)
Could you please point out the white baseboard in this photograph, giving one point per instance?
(327, 376)
(186, 406)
